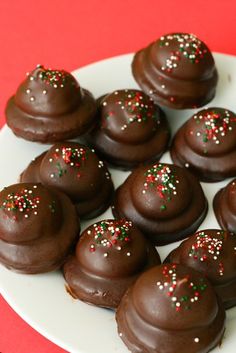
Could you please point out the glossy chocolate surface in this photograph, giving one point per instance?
(50, 106)
(213, 253)
(165, 201)
(206, 144)
(177, 70)
(131, 129)
(109, 256)
(224, 205)
(171, 308)
(76, 170)
(39, 226)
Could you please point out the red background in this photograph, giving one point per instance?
(71, 33)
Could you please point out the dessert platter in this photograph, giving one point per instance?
(127, 173)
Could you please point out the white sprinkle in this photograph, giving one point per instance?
(44, 91)
(196, 339)
(32, 99)
(28, 91)
(105, 254)
(186, 165)
(128, 254)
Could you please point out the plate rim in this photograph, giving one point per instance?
(9, 297)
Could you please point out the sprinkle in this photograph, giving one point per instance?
(92, 248)
(28, 91)
(215, 124)
(111, 233)
(196, 340)
(171, 282)
(73, 157)
(207, 246)
(189, 47)
(23, 201)
(55, 78)
(138, 106)
(162, 178)
(44, 91)
(32, 99)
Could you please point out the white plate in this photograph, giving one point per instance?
(41, 300)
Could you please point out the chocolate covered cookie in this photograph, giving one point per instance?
(177, 70)
(50, 106)
(39, 227)
(165, 201)
(206, 144)
(171, 308)
(213, 253)
(109, 256)
(224, 205)
(131, 129)
(76, 170)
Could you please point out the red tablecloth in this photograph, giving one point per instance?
(71, 33)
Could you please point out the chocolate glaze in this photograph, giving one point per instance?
(50, 106)
(213, 253)
(39, 226)
(76, 170)
(131, 129)
(177, 70)
(224, 205)
(108, 258)
(206, 144)
(171, 308)
(165, 201)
